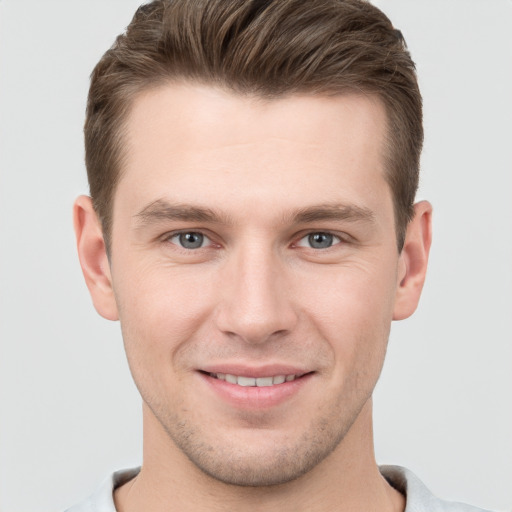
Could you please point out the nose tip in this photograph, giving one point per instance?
(257, 306)
(255, 331)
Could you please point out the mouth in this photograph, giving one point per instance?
(255, 388)
(259, 382)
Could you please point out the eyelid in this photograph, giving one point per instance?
(169, 236)
(339, 238)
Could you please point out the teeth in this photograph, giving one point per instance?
(230, 378)
(264, 381)
(253, 381)
(246, 381)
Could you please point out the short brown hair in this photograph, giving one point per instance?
(269, 48)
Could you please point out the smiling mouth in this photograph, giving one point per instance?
(255, 381)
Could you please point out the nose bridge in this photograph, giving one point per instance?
(256, 303)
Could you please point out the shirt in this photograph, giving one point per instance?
(418, 497)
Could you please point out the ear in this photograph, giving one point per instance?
(412, 264)
(93, 257)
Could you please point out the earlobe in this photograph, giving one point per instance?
(413, 261)
(93, 257)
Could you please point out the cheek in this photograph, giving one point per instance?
(356, 292)
(160, 310)
(352, 310)
(161, 299)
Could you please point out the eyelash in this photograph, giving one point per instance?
(170, 237)
(336, 239)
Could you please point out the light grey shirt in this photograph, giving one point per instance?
(418, 497)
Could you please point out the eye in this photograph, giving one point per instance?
(190, 240)
(319, 240)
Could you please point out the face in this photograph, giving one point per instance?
(255, 273)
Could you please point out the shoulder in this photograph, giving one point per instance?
(103, 499)
(418, 497)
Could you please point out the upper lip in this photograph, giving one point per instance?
(255, 371)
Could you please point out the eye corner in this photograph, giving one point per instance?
(188, 240)
(319, 240)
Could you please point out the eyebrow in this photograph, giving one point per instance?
(162, 210)
(335, 212)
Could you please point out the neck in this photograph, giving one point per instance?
(348, 479)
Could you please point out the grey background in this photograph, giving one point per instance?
(69, 413)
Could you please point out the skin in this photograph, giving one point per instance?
(255, 180)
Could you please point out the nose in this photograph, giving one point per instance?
(257, 305)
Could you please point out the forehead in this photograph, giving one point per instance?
(205, 144)
(204, 115)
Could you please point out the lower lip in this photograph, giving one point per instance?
(254, 397)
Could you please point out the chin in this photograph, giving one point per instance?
(259, 458)
(258, 470)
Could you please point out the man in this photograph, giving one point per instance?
(253, 167)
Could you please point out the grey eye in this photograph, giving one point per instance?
(191, 240)
(320, 240)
